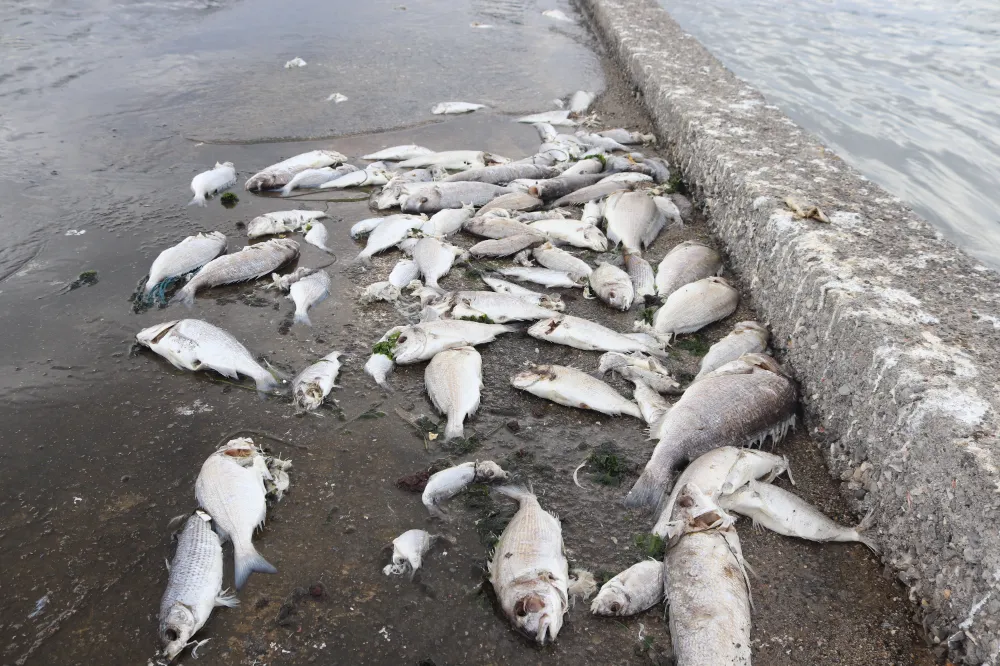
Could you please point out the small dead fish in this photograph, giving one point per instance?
(451, 108)
(695, 306)
(585, 166)
(786, 513)
(638, 588)
(543, 276)
(529, 572)
(408, 550)
(454, 160)
(546, 132)
(641, 274)
(190, 254)
(282, 222)
(588, 335)
(317, 235)
(573, 388)
(555, 259)
(746, 364)
(280, 174)
(448, 221)
(708, 472)
(512, 201)
(496, 226)
(747, 337)
(601, 142)
(553, 302)
(580, 101)
(368, 225)
(555, 188)
(451, 195)
(454, 378)
(376, 173)
(421, 342)
(626, 137)
(402, 185)
(389, 233)
(504, 247)
(311, 386)
(399, 153)
(633, 220)
(572, 232)
(628, 177)
(380, 365)
(559, 117)
(671, 213)
(687, 262)
(501, 174)
(596, 192)
(206, 183)
(652, 406)
(307, 292)
(434, 259)
(449, 482)
(613, 286)
(313, 178)
(498, 307)
(638, 366)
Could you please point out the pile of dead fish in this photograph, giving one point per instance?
(232, 490)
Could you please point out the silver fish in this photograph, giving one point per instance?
(281, 173)
(747, 337)
(587, 165)
(730, 410)
(402, 185)
(613, 286)
(558, 117)
(389, 233)
(434, 259)
(408, 550)
(669, 209)
(194, 588)
(633, 220)
(529, 572)
(282, 222)
(381, 363)
(285, 282)
(451, 195)
(192, 344)
(190, 254)
(626, 137)
(454, 379)
(317, 235)
(501, 174)
(746, 364)
(454, 160)
(546, 132)
(376, 173)
(206, 183)
(588, 335)
(552, 302)
(708, 472)
(601, 142)
(554, 214)
(449, 482)
(651, 404)
(233, 494)
(399, 153)
(450, 108)
(368, 225)
(512, 201)
(311, 386)
(504, 247)
(313, 178)
(641, 274)
(639, 366)
(593, 213)
(555, 259)
(307, 292)
(421, 342)
(554, 188)
(572, 232)
(500, 308)
(596, 192)
(687, 262)
(497, 226)
(695, 306)
(448, 221)
(543, 276)
(638, 588)
(573, 388)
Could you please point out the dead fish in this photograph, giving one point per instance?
(639, 366)
(502, 174)
(448, 221)
(641, 274)
(555, 118)
(454, 160)
(546, 132)
(588, 165)
(449, 482)
(551, 302)
(408, 550)
(512, 201)
(706, 587)
(317, 235)
(451, 108)
(580, 101)
(746, 364)
(555, 259)
(504, 247)
(389, 233)
(593, 213)
(786, 513)
(311, 386)
(573, 388)
(402, 185)
(543, 276)
(194, 588)
(307, 292)
(451, 195)
(252, 262)
(596, 192)
(695, 306)
(601, 142)
(671, 213)
(403, 273)
(381, 363)
(282, 222)
(376, 173)
(652, 406)
(313, 178)
(588, 335)
(731, 410)
(421, 342)
(529, 572)
(190, 254)
(369, 225)
(633, 220)
(234, 495)
(572, 232)
(629, 177)
(683, 205)
(496, 226)
(747, 337)
(500, 308)
(399, 153)
(626, 137)
(612, 285)
(638, 588)
(285, 282)
(281, 173)
(687, 262)
(555, 188)
(434, 258)
(207, 183)
(454, 378)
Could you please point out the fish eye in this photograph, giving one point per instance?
(686, 502)
(519, 609)
(615, 607)
(401, 340)
(423, 200)
(170, 635)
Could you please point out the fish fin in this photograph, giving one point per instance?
(864, 526)
(286, 190)
(518, 493)
(221, 369)
(267, 383)
(302, 318)
(646, 493)
(248, 560)
(185, 296)
(455, 428)
(198, 200)
(227, 599)
(788, 471)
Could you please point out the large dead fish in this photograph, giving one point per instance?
(687, 262)
(695, 306)
(728, 410)
(282, 222)
(573, 388)
(403, 185)
(638, 588)
(747, 337)
(313, 178)
(454, 379)
(588, 335)
(613, 286)
(505, 247)
(376, 173)
(594, 192)
(497, 226)
(421, 342)
(190, 254)
(250, 263)
(451, 195)
(633, 220)
(434, 258)
(512, 201)
(502, 174)
(554, 188)
(382, 361)
(529, 572)
(448, 221)
(280, 174)
(627, 137)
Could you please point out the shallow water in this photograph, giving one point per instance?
(908, 92)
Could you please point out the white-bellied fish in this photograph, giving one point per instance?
(449, 482)
(573, 388)
(206, 183)
(687, 262)
(454, 378)
(307, 292)
(452, 108)
(278, 175)
(190, 254)
(694, 306)
(638, 588)
(421, 342)
(250, 263)
(612, 285)
(584, 334)
(311, 386)
(399, 153)
(747, 337)
(313, 178)
(282, 222)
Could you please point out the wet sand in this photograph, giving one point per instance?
(102, 448)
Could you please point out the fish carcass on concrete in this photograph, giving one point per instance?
(642, 367)
(555, 259)
(638, 588)
(190, 254)
(633, 220)
(588, 335)
(307, 292)
(449, 482)
(727, 410)
(230, 487)
(192, 344)
(529, 572)
(694, 306)
(747, 337)
(454, 378)
(600, 190)
(311, 386)
(278, 175)
(282, 222)
(555, 188)
(613, 286)
(408, 550)
(209, 182)
(421, 342)
(687, 262)
(573, 388)
(399, 153)
(451, 195)
(194, 587)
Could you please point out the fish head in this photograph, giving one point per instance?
(613, 599)
(527, 378)
(611, 360)
(491, 160)
(155, 334)
(489, 471)
(696, 511)
(744, 326)
(410, 346)
(538, 610)
(423, 201)
(241, 451)
(176, 629)
(762, 362)
(308, 396)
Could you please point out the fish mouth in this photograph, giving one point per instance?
(544, 630)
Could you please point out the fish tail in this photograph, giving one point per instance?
(248, 560)
(286, 190)
(198, 200)
(519, 493)
(647, 492)
(267, 382)
(302, 318)
(455, 428)
(185, 295)
(862, 531)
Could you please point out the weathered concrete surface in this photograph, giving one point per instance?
(892, 331)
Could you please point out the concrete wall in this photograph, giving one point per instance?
(892, 331)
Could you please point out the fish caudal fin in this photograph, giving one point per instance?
(455, 428)
(198, 200)
(646, 493)
(862, 530)
(185, 296)
(518, 493)
(267, 382)
(248, 561)
(302, 318)
(286, 190)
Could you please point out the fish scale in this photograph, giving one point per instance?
(281, 173)
(250, 263)
(190, 254)
(454, 379)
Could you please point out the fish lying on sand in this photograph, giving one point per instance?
(278, 175)
(497, 227)
(447, 221)
(408, 550)
(613, 286)
(454, 160)
(572, 232)
(381, 363)
(637, 365)
(282, 222)
(311, 386)
(501, 174)
(558, 117)
(250, 263)
(434, 259)
(389, 233)
(556, 259)
(747, 337)
(451, 195)
(317, 235)
(374, 174)
(307, 292)
(638, 588)
(512, 201)
(627, 137)
(402, 185)
(313, 178)
(588, 335)
(206, 183)
(633, 220)
(543, 276)
(190, 254)
(551, 302)
(421, 342)
(694, 306)
(454, 378)
(505, 247)
(687, 262)
(498, 307)
(449, 482)
(573, 388)
(641, 274)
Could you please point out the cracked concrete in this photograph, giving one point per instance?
(891, 330)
